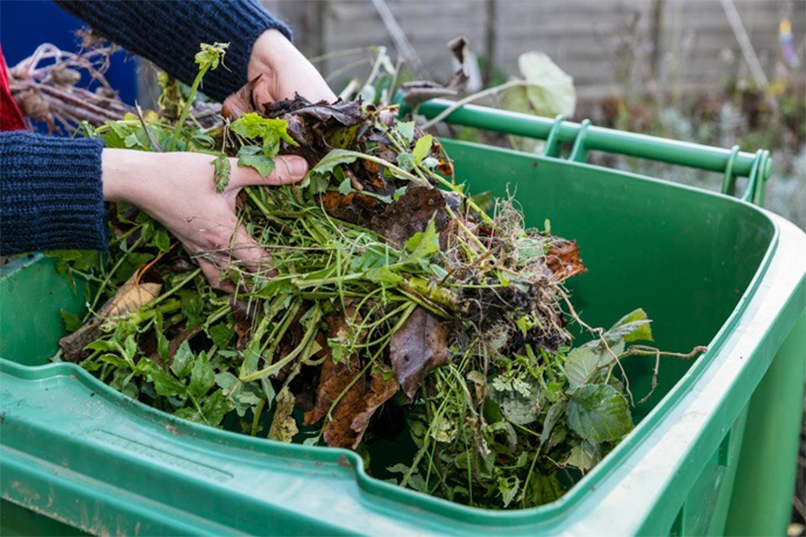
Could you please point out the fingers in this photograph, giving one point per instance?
(240, 102)
(213, 275)
(287, 170)
(249, 253)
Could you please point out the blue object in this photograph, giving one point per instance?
(25, 24)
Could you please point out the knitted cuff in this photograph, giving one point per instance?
(51, 195)
(169, 33)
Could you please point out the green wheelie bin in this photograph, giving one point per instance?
(713, 453)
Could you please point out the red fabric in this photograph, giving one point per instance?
(10, 115)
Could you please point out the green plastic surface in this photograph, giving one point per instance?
(708, 269)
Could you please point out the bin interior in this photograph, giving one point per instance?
(684, 255)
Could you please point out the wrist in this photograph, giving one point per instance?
(271, 52)
(123, 172)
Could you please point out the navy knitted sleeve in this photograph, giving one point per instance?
(51, 193)
(168, 32)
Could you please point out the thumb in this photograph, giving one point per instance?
(287, 170)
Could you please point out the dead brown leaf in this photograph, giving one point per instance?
(411, 214)
(419, 347)
(283, 426)
(381, 390)
(563, 259)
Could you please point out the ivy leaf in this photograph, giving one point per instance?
(423, 244)
(252, 155)
(222, 168)
(202, 376)
(333, 159)
(183, 360)
(422, 148)
(599, 413)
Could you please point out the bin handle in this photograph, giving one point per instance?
(754, 193)
(550, 150)
(729, 181)
(579, 153)
(687, 154)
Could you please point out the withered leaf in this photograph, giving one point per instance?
(411, 214)
(130, 297)
(381, 390)
(417, 348)
(283, 426)
(563, 259)
(333, 381)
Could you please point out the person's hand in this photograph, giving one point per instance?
(178, 190)
(277, 71)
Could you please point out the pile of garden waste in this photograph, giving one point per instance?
(397, 314)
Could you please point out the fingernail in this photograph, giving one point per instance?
(297, 167)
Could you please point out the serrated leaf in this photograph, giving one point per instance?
(220, 334)
(581, 364)
(183, 360)
(221, 172)
(252, 156)
(243, 396)
(210, 56)
(598, 413)
(270, 130)
(215, 407)
(202, 376)
(635, 326)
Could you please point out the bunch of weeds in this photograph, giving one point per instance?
(393, 310)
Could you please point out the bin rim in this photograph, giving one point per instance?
(565, 506)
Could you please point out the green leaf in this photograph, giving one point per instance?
(252, 156)
(162, 239)
(333, 159)
(423, 244)
(270, 130)
(215, 407)
(345, 187)
(82, 260)
(580, 365)
(162, 347)
(243, 397)
(202, 376)
(220, 334)
(183, 360)
(192, 307)
(406, 130)
(211, 55)
(508, 487)
(422, 148)
(581, 458)
(552, 418)
(632, 327)
(165, 384)
(221, 173)
(551, 90)
(384, 275)
(599, 413)
(71, 321)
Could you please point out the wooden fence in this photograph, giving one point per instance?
(608, 46)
